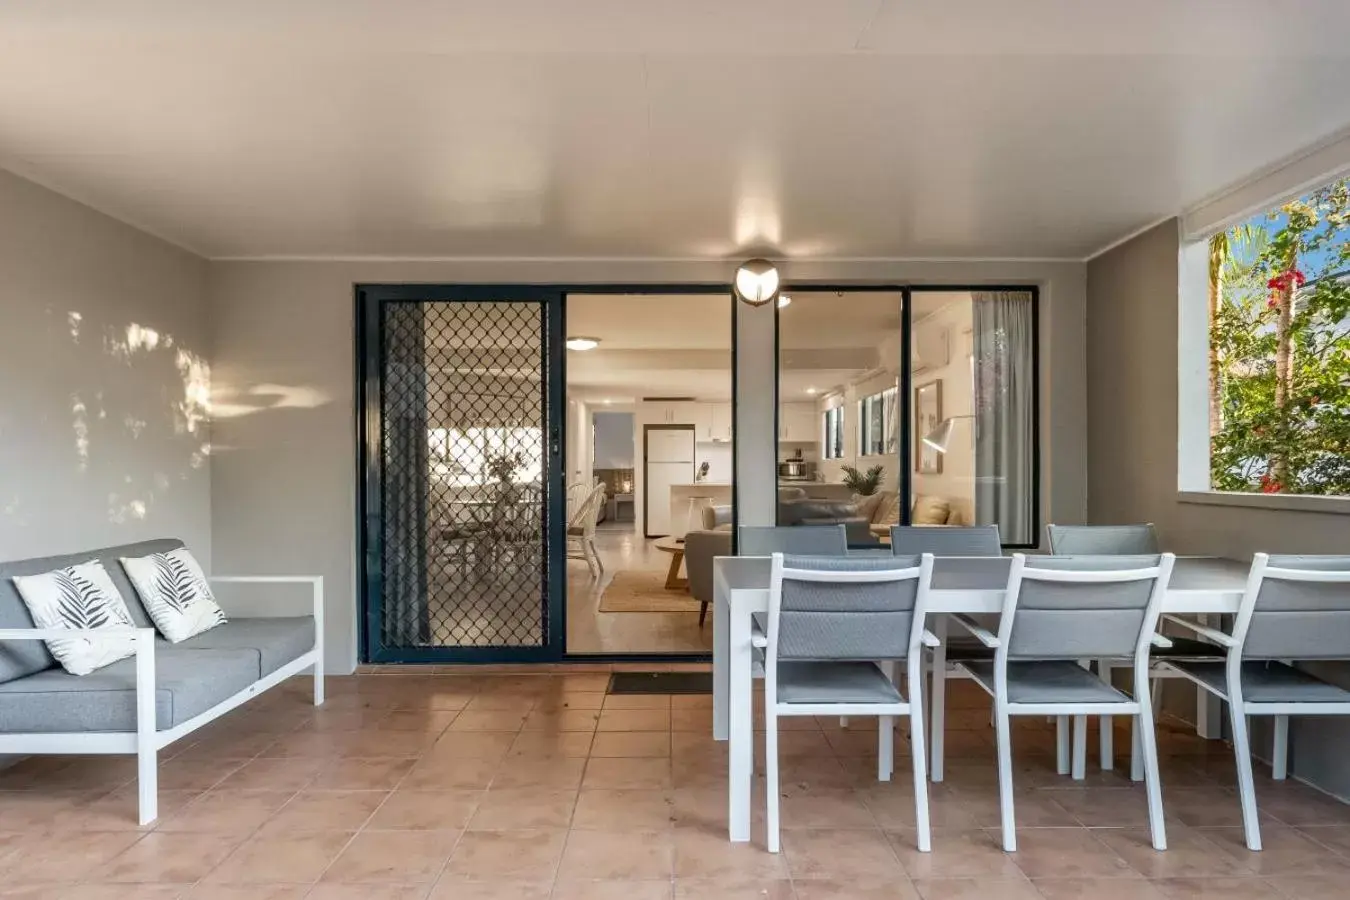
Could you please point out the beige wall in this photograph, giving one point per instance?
(284, 477)
(103, 436)
(1132, 450)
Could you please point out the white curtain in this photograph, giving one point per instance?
(1005, 477)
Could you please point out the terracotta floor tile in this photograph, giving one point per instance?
(331, 891)
(98, 892)
(489, 720)
(530, 807)
(613, 890)
(628, 773)
(624, 810)
(570, 699)
(1098, 889)
(854, 889)
(1285, 851)
(537, 772)
(63, 856)
(426, 810)
(426, 722)
(979, 889)
(281, 858)
(473, 744)
(455, 887)
(326, 811)
(617, 855)
(1189, 853)
(1216, 888)
(434, 773)
(362, 774)
(733, 888)
(552, 744)
(634, 720)
(117, 811)
(637, 701)
(706, 854)
(168, 858)
(1064, 853)
(225, 812)
(393, 857)
(501, 703)
(804, 807)
(562, 720)
(973, 853)
(631, 744)
(274, 774)
(247, 892)
(840, 853)
(530, 855)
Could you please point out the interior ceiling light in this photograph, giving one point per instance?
(783, 300)
(757, 282)
(581, 342)
(811, 391)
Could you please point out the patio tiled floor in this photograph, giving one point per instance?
(415, 786)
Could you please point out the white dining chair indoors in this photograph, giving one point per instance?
(836, 630)
(1295, 608)
(947, 540)
(581, 530)
(1058, 610)
(1119, 540)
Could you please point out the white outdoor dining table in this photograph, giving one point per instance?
(1200, 585)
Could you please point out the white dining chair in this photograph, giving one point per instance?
(581, 530)
(1056, 611)
(948, 540)
(1294, 608)
(803, 540)
(832, 624)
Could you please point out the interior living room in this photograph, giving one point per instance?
(1017, 333)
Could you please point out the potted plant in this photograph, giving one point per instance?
(864, 484)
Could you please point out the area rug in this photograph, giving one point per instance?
(637, 590)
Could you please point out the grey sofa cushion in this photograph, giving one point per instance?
(275, 641)
(21, 658)
(188, 682)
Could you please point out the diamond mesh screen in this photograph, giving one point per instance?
(463, 464)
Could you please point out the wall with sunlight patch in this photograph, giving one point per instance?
(104, 383)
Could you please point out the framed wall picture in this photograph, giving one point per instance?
(927, 416)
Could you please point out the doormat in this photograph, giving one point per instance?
(661, 683)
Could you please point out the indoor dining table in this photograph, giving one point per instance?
(972, 585)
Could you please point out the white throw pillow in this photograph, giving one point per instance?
(175, 593)
(79, 597)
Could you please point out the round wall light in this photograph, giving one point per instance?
(581, 342)
(757, 282)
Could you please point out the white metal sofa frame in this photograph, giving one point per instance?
(845, 660)
(147, 740)
(1055, 614)
(1284, 614)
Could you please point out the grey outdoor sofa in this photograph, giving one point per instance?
(162, 693)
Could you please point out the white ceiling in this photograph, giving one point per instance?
(636, 128)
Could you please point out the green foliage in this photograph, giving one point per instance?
(1299, 442)
(863, 484)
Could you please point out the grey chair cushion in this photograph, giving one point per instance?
(835, 682)
(1048, 682)
(275, 641)
(1267, 682)
(188, 682)
(21, 658)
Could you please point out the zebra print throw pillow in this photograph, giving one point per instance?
(80, 597)
(175, 593)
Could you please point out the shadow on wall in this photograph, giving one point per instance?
(100, 419)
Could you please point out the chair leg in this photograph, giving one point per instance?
(1003, 740)
(1136, 751)
(1279, 758)
(843, 721)
(885, 747)
(1080, 747)
(771, 776)
(938, 698)
(702, 613)
(1242, 750)
(1062, 745)
(1106, 743)
(600, 564)
(1148, 740)
(923, 832)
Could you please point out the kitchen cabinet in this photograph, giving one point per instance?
(670, 412)
(720, 425)
(797, 423)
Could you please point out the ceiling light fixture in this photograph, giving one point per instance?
(757, 282)
(581, 342)
(783, 300)
(811, 391)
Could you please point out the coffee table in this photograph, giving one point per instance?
(675, 547)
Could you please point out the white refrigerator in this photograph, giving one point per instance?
(669, 460)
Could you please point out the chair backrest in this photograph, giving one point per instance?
(588, 512)
(715, 517)
(946, 540)
(1295, 607)
(1076, 607)
(1102, 540)
(800, 540)
(847, 608)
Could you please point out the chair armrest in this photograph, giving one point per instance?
(1209, 634)
(1161, 642)
(928, 639)
(983, 635)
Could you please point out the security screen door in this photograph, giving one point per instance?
(463, 495)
